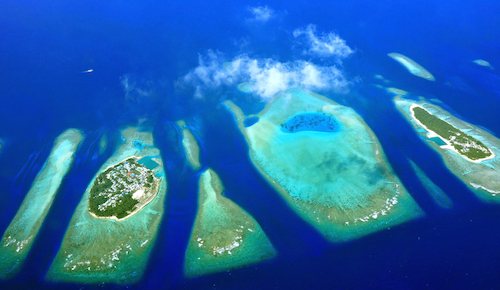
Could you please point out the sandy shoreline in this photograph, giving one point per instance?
(448, 145)
(95, 250)
(137, 209)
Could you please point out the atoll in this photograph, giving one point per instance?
(338, 180)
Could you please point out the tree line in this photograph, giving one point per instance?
(446, 131)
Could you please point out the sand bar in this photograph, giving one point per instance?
(412, 66)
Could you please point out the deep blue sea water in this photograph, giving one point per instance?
(139, 52)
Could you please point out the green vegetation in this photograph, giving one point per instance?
(112, 193)
(463, 143)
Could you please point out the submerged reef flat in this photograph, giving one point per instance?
(103, 143)
(482, 62)
(468, 151)
(412, 66)
(397, 91)
(436, 193)
(224, 236)
(23, 230)
(190, 145)
(381, 78)
(245, 88)
(338, 180)
(107, 249)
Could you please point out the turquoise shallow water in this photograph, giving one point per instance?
(149, 162)
(341, 183)
(46, 44)
(438, 141)
(101, 250)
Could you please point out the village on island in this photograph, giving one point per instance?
(454, 139)
(123, 189)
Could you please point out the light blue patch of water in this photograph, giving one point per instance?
(148, 162)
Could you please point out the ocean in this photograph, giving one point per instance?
(143, 56)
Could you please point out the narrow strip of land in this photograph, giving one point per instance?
(455, 139)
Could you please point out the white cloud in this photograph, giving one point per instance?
(267, 76)
(323, 45)
(132, 90)
(261, 13)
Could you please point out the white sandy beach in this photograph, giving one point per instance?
(448, 145)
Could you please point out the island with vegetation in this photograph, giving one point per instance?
(327, 164)
(114, 227)
(122, 189)
(468, 151)
(464, 144)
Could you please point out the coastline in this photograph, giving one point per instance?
(481, 177)
(142, 204)
(448, 145)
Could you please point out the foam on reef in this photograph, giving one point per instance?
(412, 66)
(224, 236)
(339, 181)
(481, 176)
(191, 148)
(23, 230)
(102, 250)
